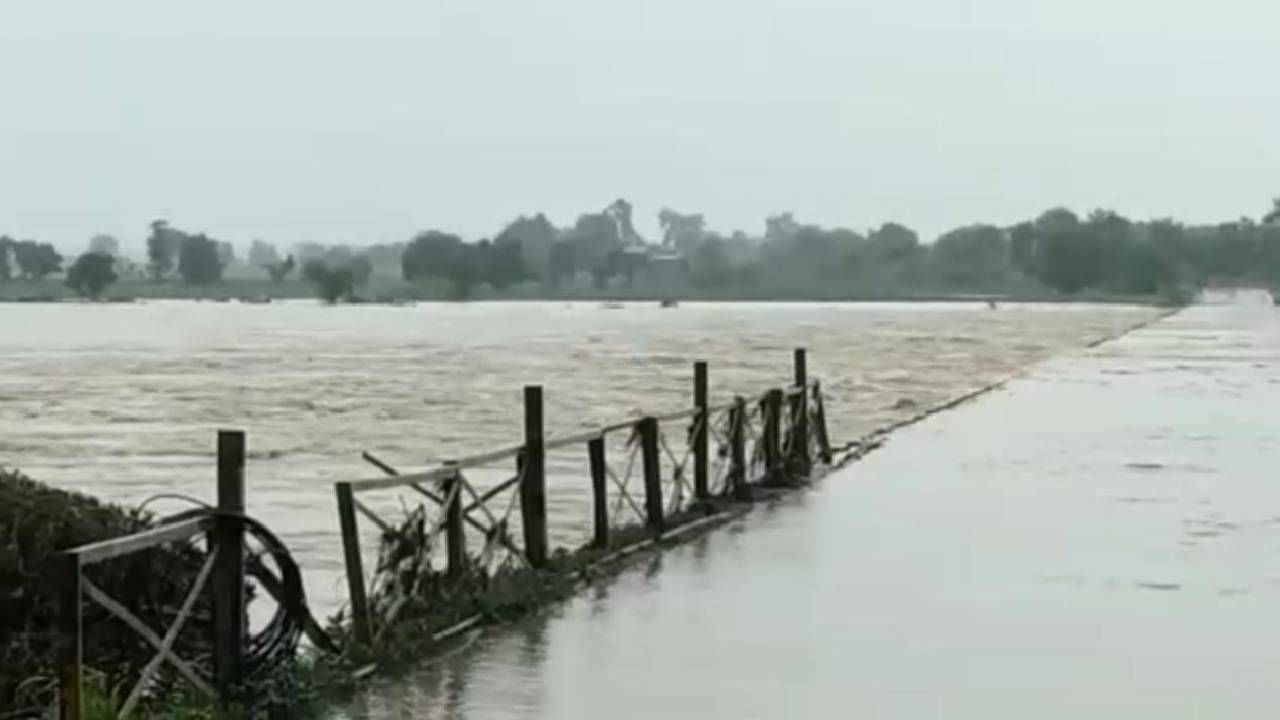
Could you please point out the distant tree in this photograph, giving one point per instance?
(336, 255)
(534, 237)
(594, 237)
(6, 251)
(976, 255)
(1068, 257)
(781, 227)
(1273, 215)
(262, 254)
(563, 262)
(709, 266)
(226, 253)
(385, 257)
(163, 247)
(104, 244)
(361, 269)
(502, 263)
(620, 212)
(892, 243)
(680, 231)
(442, 255)
(279, 270)
(332, 284)
(91, 274)
(1022, 247)
(199, 263)
(36, 260)
(308, 251)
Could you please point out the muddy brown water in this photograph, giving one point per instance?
(122, 401)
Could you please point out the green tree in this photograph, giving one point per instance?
(199, 262)
(681, 232)
(1273, 215)
(262, 254)
(36, 260)
(332, 284)
(91, 274)
(709, 266)
(974, 256)
(1069, 258)
(563, 263)
(534, 237)
(1022, 247)
(6, 251)
(163, 246)
(361, 269)
(279, 270)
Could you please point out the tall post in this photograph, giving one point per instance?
(455, 535)
(599, 490)
(738, 450)
(820, 417)
(533, 485)
(359, 601)
(70, 630)
(800, 443)
(229, 622)
(650, 458)
(771, 435)
(702, 428)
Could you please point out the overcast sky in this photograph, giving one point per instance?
(366, 121)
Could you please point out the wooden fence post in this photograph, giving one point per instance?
(820, 417)
(702, 429)
(771, 435)
(70, 629)
(801, 463)
(652, 473)
(455, 535)
(738, 450)
(357, 598)
(533, 485)
(599, 490)
(229, 621)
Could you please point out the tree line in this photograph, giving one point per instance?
(1058, 250)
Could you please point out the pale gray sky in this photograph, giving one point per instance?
(366, 121)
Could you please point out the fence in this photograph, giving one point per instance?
(767, 440)
(222, 572)
(733, 447)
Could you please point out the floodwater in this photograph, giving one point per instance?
(123, 400)
(1097, 539)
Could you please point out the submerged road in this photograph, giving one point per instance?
(1099, 538)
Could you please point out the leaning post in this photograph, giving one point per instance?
(599, 490)
(70, 632)
(650, 458)
(820, 418)
(229, 626)
(738, 450)
(800, 443)
(533, 482)
(455, 535)
(771, 435)
(355, 567)
(702, 428)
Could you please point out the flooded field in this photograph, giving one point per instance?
(1097, 539)
(122, 401)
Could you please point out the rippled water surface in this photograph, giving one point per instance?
(122, 400)
(1097, 539)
